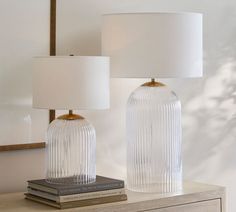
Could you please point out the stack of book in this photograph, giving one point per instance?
(104, 190)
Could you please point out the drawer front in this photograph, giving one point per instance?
(204, 206)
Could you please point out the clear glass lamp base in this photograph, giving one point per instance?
(71, 152)
(154, 140)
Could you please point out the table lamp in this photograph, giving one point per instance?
(153, 45)
(69, 83)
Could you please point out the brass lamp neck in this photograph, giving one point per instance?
(153, 83)
(70, 116)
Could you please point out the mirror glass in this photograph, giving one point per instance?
(24, 34)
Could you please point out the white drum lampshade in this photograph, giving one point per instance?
(153, 45)
(71, 82)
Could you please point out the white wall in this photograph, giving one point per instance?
(209, 112)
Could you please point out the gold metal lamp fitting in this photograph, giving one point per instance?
(153, 83)
(70, 116)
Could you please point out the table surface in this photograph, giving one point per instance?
(192, 192)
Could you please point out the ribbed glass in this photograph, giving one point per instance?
(71, 152)
(154, 140)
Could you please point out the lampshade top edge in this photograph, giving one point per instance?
(107, 107)
(68, 57)
(152, 13)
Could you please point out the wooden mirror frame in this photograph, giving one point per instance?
(37, 145)
(53, 10)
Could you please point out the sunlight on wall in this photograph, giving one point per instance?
(209, 121)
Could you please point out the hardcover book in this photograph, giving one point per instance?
(80, 203)
(101, 184)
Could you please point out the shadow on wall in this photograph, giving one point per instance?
(209, 119)
(209, 106)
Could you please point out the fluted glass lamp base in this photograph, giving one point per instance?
(154, 139)
(71, 151)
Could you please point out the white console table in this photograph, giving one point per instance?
(195, 197)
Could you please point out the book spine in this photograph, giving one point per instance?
(43, 201)
(89, 188)
(43, 188)
(95, 201)
(91, 195)
(43, 194)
